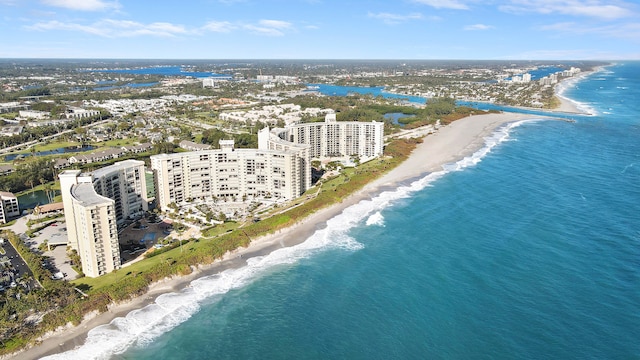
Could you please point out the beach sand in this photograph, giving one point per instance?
(449, 144)
(567, 106)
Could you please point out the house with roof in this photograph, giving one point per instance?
(6, 169)
(136, 149)
(192, 146)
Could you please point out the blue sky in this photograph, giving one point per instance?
(321, 29)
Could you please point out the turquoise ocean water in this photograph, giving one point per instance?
(529, 249)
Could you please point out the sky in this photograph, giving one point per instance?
(321, 29)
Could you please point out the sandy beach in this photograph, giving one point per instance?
(567, 106)
(449, 144)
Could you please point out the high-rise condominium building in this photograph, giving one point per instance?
(330, 139)
(96, 230)
(95, 204)
(272, 171)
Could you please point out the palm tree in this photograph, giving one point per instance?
(48, 188)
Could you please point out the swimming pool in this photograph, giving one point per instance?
(148, 237)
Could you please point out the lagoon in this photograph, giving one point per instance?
(164, 71)
(33, 199)
(338, 90)
(62, 150)
(132, 85)
(396, 116)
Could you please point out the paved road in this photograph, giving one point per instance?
(44, 139)
(54, 234)
(20, 268)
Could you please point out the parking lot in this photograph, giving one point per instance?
(134, 240)
(12, 267)
(56, 236)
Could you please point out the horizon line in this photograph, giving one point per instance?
(305, 59)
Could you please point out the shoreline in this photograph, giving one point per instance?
(450, 143)
(567, 105)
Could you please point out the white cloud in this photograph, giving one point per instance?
(622, 31)
(444, 4)
(269, 27)
(83, 5)
(588, 8)
(392, 19)
(57, 25)
(478, 27)
(564, 54)
(110, 28)
(277, 24)
(261, 30)
(218, 26)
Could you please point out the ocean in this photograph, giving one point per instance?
(529, 249)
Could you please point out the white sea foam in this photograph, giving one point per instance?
(142, 326)
(563, 86)
(376, 219)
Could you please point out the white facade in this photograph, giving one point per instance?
(231, 174)
(338, 139)
(80, 113)
(34, 114)
(9, 206)
(213, 82)
(96, 230)
(94, 204)
(68, 179)
(123, 182)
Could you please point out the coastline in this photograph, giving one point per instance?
(451, 143)
(566, 104)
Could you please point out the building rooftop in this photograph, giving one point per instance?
(7, 195)
(87, 196)
(120, 165)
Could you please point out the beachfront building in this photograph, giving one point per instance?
(124, 182)
(333, 139)
(96, 230)
(269, 172)
(9, 206)
(95, 204)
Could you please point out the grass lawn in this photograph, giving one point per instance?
(93, 284)
(214, 231)
(141, 267)
(113, 143)
(48, 146)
